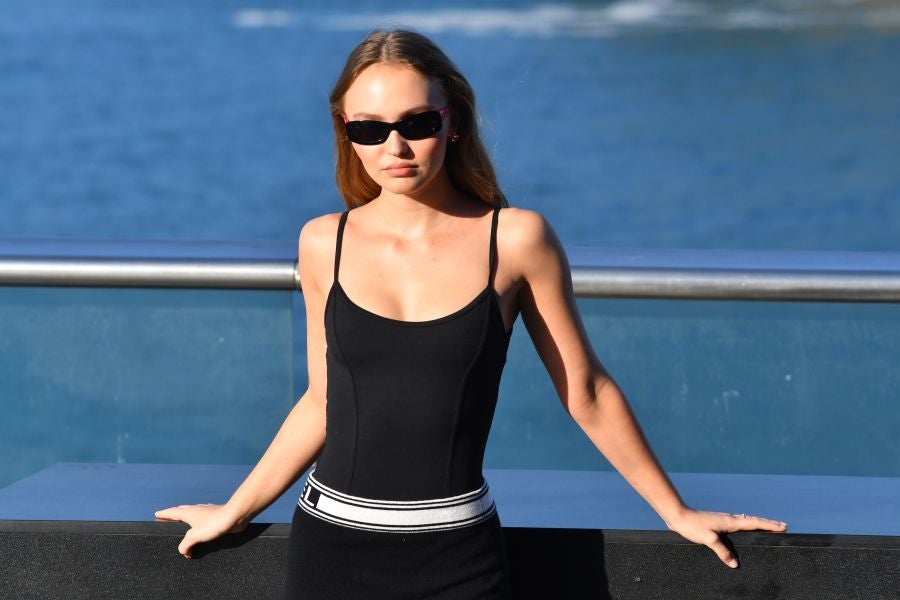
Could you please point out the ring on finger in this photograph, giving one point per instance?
(741, 515)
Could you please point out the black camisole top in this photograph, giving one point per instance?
(410, 403)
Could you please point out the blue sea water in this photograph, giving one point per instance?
(664, 123)
(770, 124)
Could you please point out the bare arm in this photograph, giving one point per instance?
(591, 396)
(290, 453)
(301, 436)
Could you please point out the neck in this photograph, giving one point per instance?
(414, 214)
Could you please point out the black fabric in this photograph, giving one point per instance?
(409, 410)
(330, 562)
(410, 404)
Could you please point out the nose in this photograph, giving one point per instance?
(396, 144)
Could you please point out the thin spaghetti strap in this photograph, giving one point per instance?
(493, 249)
(337, 246)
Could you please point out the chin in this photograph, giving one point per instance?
(404, 186)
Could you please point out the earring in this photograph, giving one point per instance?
(454, 137)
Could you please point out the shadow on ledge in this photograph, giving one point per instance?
(545, 564)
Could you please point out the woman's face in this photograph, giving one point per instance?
(388, 93)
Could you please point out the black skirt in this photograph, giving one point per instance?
(327, 561)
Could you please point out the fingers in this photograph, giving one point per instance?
(704, 528)
(184, 548)
(182, 512)
(176, 513)
(742, 522)
(168, 514)
(722, 551)
(205, 522)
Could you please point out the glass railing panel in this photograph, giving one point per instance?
(141, 375)
(207, 376)
(738, 387)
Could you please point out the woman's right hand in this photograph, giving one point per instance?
(207, 521)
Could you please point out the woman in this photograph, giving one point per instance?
(410, 299)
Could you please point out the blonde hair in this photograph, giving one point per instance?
(467, 162)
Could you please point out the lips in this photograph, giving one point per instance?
(400, 170)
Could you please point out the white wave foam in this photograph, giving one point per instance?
(255, 18)
(613, 18)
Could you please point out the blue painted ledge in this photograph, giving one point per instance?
(525, 498)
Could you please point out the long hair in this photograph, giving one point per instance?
(467, 162)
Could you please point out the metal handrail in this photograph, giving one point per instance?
(596, 272)
(172, 273)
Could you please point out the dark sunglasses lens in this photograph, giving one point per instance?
(367, 132)
(420, 126)
(416, 127)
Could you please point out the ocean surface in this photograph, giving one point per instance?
(771, 124)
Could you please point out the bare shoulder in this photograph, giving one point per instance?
(530, 246)
(318, 230)
(315, 247)
(524, 232)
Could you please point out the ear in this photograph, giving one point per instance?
(452, 133)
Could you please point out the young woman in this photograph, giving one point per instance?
(411, 295)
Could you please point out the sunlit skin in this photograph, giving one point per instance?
(419, 229)
(413, 168)
(417, 252)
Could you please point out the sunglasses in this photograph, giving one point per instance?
(414, 127)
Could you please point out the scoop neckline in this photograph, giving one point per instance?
(336, 285)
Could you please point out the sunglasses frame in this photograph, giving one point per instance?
(395, 126)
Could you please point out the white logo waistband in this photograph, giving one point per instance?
(396, 515)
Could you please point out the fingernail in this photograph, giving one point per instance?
(732, 563)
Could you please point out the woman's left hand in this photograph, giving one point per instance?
(703, 527)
